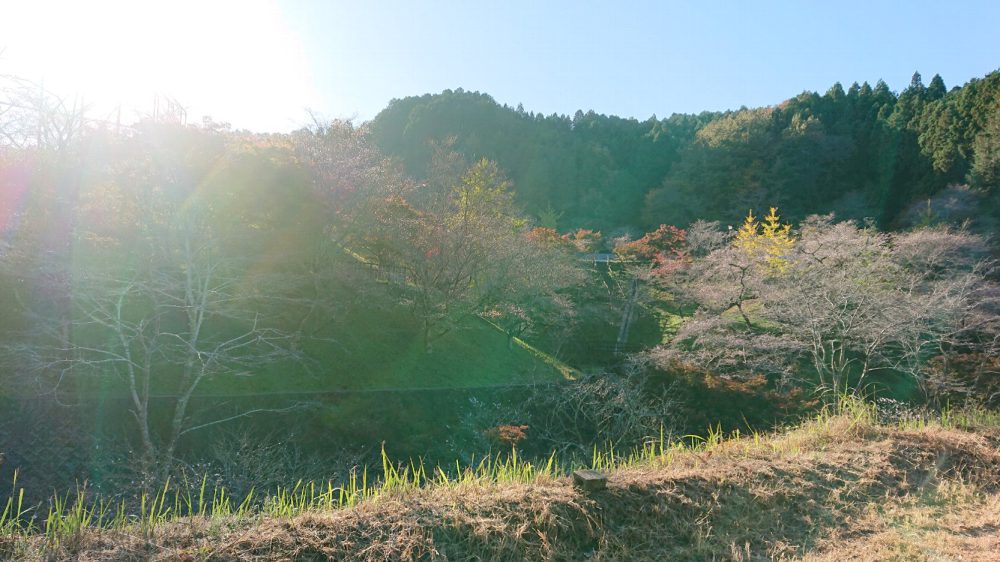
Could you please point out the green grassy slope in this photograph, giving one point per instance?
(375, 349)
(386, 352)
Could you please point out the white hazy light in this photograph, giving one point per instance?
(235, 61)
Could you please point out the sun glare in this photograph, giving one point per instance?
(240, 56)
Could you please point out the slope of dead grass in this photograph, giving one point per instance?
(833, 489)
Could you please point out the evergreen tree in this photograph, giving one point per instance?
(985, 174)
(936, 89)
(916, 86)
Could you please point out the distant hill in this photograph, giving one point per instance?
(863, 151)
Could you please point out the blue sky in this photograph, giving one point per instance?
(260, 64)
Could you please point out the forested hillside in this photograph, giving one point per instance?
(862, 152)
(476, 286)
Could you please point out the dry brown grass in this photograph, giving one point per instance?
(830, 490)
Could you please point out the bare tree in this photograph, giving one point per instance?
(31, 116)
(39, 153)
(525, 291)
(849, 302)
(162, 325)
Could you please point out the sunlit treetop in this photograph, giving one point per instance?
(769, 240)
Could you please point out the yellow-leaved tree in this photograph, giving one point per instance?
(769, 240)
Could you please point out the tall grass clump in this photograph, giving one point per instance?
(12, 517)
(661, 451)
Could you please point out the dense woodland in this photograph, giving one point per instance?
(756, 264)
(861, 152)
